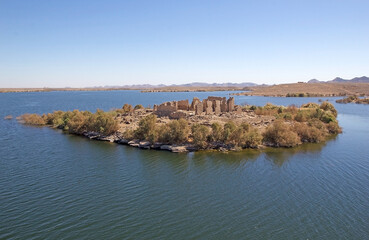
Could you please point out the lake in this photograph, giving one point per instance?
(59, 186)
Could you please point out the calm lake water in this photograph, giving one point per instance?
(59, 186)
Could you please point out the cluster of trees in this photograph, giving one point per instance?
(175, 132)
(304, 95)
(354, 99)
(127, 108)
(180, 132)
(324, 112)
(309, 123)
(77, 122)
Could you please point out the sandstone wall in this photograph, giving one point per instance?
(211, 105)
(230, 104)
(199, 109)
(165, 109)
(183, 105)
(195, 101)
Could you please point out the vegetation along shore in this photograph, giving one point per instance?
(353, 99)
(212, 124)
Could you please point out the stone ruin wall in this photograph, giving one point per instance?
(211, 105)
(165, 109)
(183, 105)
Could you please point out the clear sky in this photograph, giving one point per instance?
(79, 43)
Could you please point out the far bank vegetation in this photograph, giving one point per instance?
(354, 99)
(292, 126)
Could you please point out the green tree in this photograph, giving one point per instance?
(102, 122)
(228, 129)
(200, 135)
(147, 128)
(216, 132)
(179, 131)
(279, 134)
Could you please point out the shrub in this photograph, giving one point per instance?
(334, 128)
(102, 122)
(348, 99)
(228, 129)
(200, 134)
(326, 106)
(292, 109)
(32, 119)
(178, 131)
(129, 134)
(163, 133)
(310, 105)
(251, 139)
(286, 116)
(127, 108)
(327, 117)
(235, 137)
(318, 124)
(77, 122)
(268, 109)
(279, 134)
(55, 119)
(244, 136)
(146, 129)
(301, 116)
(216, 132)
(309, 133)
(139, 106)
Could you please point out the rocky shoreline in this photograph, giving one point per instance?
(181, 148)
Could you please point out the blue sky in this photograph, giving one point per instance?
(96, 43)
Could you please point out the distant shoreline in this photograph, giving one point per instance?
(309, 90)
(206, 89)
(321, 89)
(16, 90)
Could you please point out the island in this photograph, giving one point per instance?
(353, 99)
(215, 123)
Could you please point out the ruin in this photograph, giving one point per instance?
(165, 109)
(183, 105)
(209, 106)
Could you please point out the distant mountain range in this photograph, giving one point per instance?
(363, 79)
(194, 84)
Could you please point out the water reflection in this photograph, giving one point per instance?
(181, 162)
(279, 156)
(232, 159)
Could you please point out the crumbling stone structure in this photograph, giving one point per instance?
(199, 108)
(183, 105)
(217, 108)
(165, 109)
(230, 104)
(195, 101)
(211, 105)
